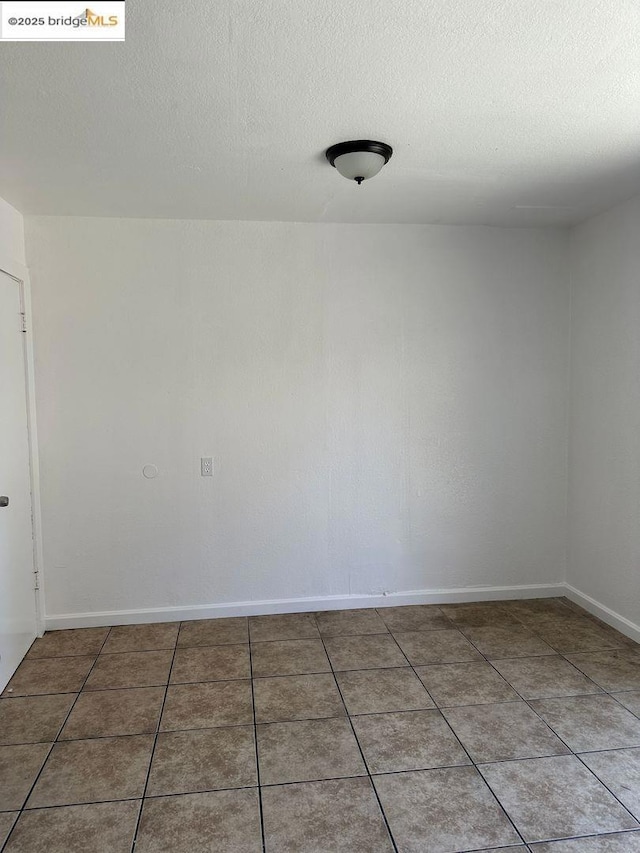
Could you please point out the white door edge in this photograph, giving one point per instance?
(21, 277)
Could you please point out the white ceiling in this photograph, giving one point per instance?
(519, 112)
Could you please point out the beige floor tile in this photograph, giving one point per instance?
(209, 705)
(567, 620)
(475, 683)
(544, 677)
(378, 691)
(620, 771)
(19, 767)
(507, 641)
(76, 829)
(214, 632)
(341, 816)
(7, 819)
(342, 623)
(211, 663)
(503, 732)
(225, 821)
(426, 647)
(613, 670)
(621, 842)
(443, 810)
(553, 798)
(630, 700)
(582, 635)
(415, 617)
(110, 713)
(130, 669)
(407, 740)
(88, 771)
(51, 675)
(307, 751)
(296, 697)
(621, 639)
(590, 722)
(286, 626)
(33, 719)
(572, 605)
(288, 657)
(541, 608)
(477, 614)
(77, 641)
(142, 638)
(367, 651)
(203, 760)
(318, 798)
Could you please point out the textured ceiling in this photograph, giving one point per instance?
(520, 112)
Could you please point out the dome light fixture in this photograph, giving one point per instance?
(360, 159)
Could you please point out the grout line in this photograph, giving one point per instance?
(364, 760)
(140, 651)
(255, 743)
(363, 775)
(153, 748)
(440, 708)
(607, 749)
(599, 692)
(463, 629)
(35, 809)
(561, 839)
(283, 785)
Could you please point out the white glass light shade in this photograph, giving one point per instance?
(359, 164)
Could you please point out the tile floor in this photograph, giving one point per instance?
(468, 727)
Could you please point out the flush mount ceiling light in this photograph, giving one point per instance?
(359, 160)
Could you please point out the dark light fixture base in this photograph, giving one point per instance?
(359, 145)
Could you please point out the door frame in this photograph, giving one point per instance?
(20, 275)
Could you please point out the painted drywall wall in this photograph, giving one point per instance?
(604, 458)
(12, 251)
(385, 405)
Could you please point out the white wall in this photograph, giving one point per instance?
(604, 469)
(12, 252)
(386, 406)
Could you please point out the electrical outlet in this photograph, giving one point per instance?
(206, 466)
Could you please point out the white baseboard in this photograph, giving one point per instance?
(620, 623)
(298, 605)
